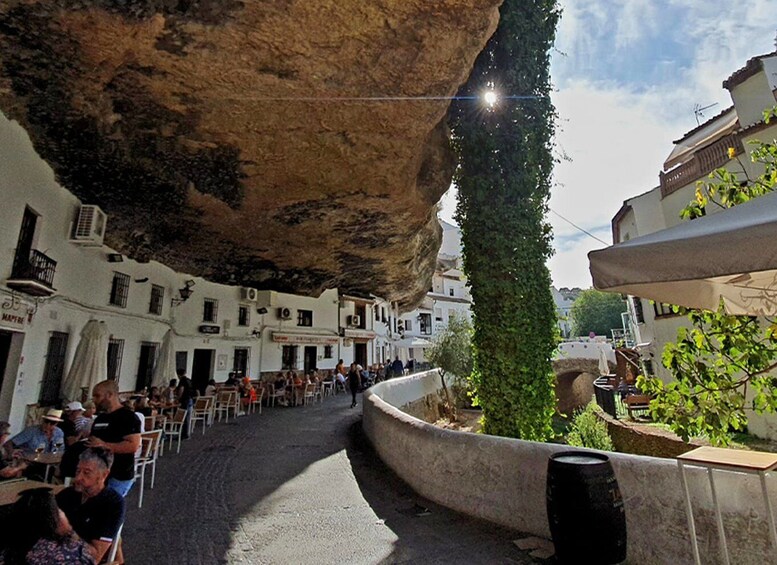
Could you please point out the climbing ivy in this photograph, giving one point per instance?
(503, 180)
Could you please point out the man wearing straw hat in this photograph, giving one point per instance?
(46, 435)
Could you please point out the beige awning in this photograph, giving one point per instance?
(730, 255)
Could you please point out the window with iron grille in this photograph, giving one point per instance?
(157, 299)
(115, 354)
(210, 310)
(289, 357)
(660, 310)
(243, 316)
(328, 352)
(408, 325)
(305, 318)
(426, 324)
(450, 291)
(638, 313)
(119, 289)
(54, 369)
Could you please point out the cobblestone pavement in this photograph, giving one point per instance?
(297, 486)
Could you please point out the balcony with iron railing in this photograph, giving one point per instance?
(701, 164)
(33, 275)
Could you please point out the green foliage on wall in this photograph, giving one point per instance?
(589, 430)
(505, 165)
(596, 311)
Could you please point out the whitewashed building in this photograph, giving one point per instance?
(448, 296)
(694, 155)
(56, 275)
(564, 298)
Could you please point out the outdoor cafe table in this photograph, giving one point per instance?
(9, 490)
(738, 461)
(48, 459)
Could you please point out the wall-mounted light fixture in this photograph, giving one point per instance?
(184, 293)
(115, 257)
(261, 310)
(256, 333)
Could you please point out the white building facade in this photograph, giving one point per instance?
(52, 284)
(694, 156)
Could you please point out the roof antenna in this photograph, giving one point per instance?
(698, 111)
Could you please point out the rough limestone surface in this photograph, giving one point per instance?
(286, 144)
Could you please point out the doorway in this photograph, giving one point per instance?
(146, 365)
(360, 354)
(202, 368)
(311, 357)
(240, 362)
(5, 350)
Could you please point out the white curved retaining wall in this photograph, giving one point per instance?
(503, 481)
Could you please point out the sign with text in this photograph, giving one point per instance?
(209, 329)
(278, 337)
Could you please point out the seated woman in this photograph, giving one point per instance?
(39, 533)
(247, 391)
(8, 468)
(168, 394)
(210, 390)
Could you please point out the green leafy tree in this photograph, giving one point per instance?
(451, 353)
(596, 311)
(505, 165)
(720, 356)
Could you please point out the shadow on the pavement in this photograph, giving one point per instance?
(426, 532)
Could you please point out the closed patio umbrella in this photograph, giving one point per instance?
(164, 369)
(730, 256)
(90, 363)
(604, 365)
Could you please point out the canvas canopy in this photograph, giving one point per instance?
(90, 362)
(730, 256)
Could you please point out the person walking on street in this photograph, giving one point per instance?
(354, 382)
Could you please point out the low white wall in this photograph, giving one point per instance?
(503, 481)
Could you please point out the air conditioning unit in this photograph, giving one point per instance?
(354, 320)
(89, 227)
(284, 313)
(250, 294)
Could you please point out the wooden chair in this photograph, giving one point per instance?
(146, 445)
(225, 401)
(309, 393)
(257, 401)
(273, 394)
(202, 412)
(637, 403)
(174, 427)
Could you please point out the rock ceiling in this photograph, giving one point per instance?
(284, 144)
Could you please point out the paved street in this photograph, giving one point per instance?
(297, 486)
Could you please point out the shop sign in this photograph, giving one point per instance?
(209, 329)
(278, 337)
(16, 314)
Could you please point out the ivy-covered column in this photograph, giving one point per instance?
(504, 179)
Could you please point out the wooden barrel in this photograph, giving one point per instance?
(585, 509)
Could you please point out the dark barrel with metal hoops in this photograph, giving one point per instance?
(585, 509)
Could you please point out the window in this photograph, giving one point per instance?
(328, 352)
(289, 357)
(377, 313)
(305, 318)
(408, 325)
(243, 316)
(240, 362)
(181, 361)
(426, 324)
(438, 314)
(210, 310)
(119, 290)
(660, 309)
(157, 298)
(54, 369)
(361, 311)
(450, 291)
(638, 313)
(115, 354)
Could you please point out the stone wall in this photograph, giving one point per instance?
(643, 440)
(503, 480)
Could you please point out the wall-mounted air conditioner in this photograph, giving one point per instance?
(250, 294)
(354, 320)
(284, 313)
(89, 227)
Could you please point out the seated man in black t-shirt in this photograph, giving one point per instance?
(94, 511)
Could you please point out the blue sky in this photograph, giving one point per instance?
(628, 74)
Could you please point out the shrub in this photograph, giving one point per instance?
(589, 430)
